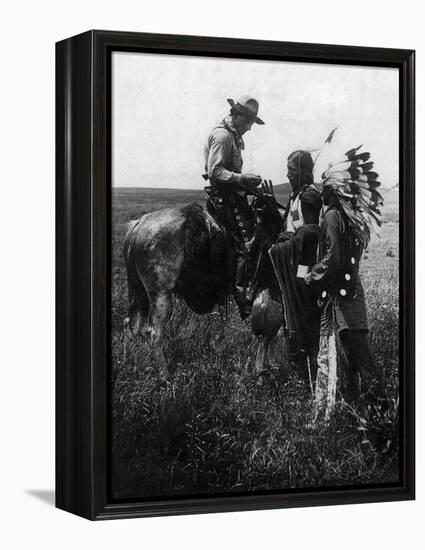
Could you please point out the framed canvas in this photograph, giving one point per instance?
(235, 274)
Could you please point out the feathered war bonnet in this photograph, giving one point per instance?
(355, 186)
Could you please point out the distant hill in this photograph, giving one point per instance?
(153, 198)
(131, 202)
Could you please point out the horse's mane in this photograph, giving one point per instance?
(203, 280)
(206, 276)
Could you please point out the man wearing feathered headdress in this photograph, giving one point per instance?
(351, 207)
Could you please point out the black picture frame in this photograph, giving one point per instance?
(83, 151)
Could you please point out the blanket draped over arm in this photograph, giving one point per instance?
(302, 316)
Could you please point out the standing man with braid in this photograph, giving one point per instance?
(295, 251)
(305, 202)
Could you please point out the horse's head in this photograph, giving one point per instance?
(268, 212)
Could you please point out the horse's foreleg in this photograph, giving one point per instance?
(260, 359)
(267, 362)
(272, 348)
(266, 353)
(160, 307)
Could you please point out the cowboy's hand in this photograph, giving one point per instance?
(267, 187)
(251, 180)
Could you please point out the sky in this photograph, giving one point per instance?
(163, 107)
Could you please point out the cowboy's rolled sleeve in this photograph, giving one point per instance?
(220, 151)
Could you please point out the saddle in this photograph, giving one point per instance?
(244, 248)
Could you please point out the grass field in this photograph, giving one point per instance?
(212, 429)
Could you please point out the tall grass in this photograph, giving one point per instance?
(212, 429)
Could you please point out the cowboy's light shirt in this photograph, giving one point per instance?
(223, 157)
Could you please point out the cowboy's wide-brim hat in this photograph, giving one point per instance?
(247, 106)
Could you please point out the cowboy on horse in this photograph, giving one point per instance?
(229, 188)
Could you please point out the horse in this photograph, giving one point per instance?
(184, 252)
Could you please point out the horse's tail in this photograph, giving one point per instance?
(138, 297)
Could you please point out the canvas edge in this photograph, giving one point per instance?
(81, 439)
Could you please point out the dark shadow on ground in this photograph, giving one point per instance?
(45, 495)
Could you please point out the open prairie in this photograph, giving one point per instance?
(212, 429)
